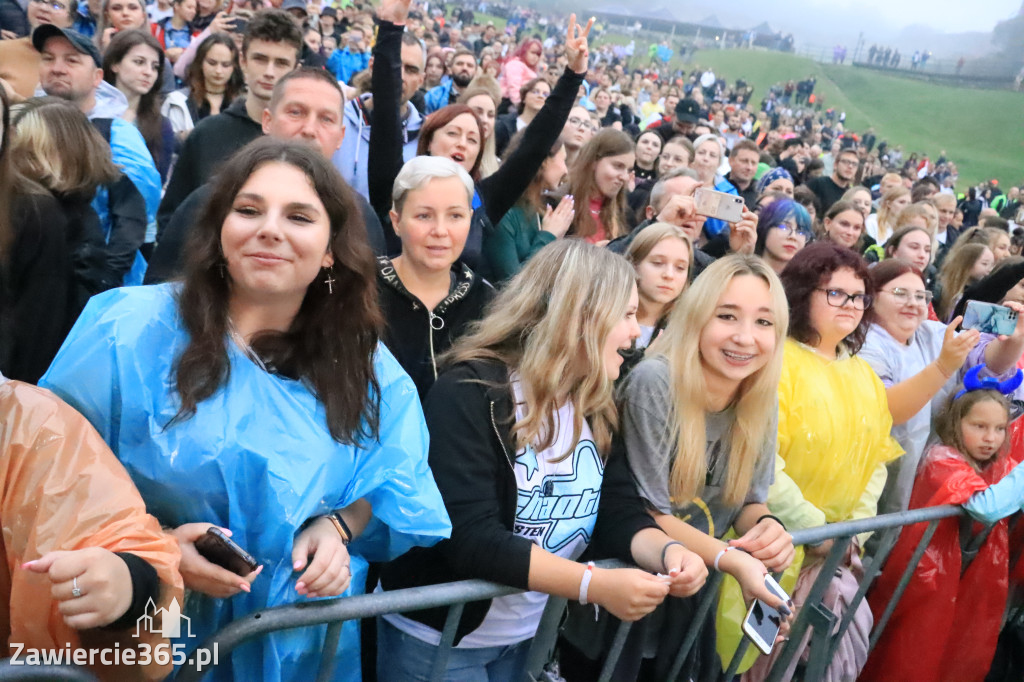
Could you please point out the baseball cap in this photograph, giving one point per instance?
(82, 44)
(294, 4)
(688, 111)
(329, 12)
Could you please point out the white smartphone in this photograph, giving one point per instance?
(763, 622)
(727, 207)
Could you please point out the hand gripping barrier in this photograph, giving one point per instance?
(457, 594)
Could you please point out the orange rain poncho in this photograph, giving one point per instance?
(62, 489)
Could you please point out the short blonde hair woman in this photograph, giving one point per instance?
(525, 410)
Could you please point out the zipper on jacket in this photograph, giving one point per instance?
(430, 334)
(494, 424)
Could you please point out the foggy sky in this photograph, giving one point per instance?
(944, 15)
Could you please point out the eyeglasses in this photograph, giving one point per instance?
(837, 298)
(792, 231)
(904, 295)
(56, 6)
(848, 162)
(578, 122)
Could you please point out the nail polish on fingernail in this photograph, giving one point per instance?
(784, 610)
(674, 572)
(297, 565)
(245, 587)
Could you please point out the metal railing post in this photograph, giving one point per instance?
(444, 647)
(710, 597)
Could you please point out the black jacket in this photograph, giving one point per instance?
(415, 335)
(496, 193)
(209, 145)
(505, 127)
(470, 413)
(166, 262)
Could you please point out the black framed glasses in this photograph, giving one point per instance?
(904, 296)
(837, 298)
(793, 231)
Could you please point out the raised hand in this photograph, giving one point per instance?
(743, 235)
(955, 347)
(557, 220)
(395, 11)
(576, 49)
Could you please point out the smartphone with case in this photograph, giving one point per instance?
(763, 622)
(989, 318)
(218, 548)
(727, 207)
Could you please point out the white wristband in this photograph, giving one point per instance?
(719, 556)
(585, 581)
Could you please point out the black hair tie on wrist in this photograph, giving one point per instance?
(774, 518)
(664, 551)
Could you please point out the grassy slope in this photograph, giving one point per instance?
(980, 129)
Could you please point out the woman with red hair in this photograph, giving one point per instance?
(521, 67)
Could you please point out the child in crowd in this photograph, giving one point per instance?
(947, 622)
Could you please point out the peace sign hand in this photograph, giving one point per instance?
(576, 45)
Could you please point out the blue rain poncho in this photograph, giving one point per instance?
(257, 458)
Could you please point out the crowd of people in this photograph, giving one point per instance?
(393, 298)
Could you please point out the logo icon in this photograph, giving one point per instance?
(170, 621)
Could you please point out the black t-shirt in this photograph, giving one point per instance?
(827, 191)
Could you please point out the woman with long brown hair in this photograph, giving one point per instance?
(132, 64)
(213, 81)
(599, 181)
(257, 398)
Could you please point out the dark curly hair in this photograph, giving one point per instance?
(331, 343)
(810, 269)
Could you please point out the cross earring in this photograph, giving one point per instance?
(330, 281)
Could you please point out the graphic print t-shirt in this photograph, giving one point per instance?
(557, 509)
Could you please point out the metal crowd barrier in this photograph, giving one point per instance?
(456, 594)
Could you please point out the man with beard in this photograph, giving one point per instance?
(830, 189)
(683, 120)
(463, 71)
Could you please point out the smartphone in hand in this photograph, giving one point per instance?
(727, 207)
(763, 622)
(219, 549)
(989, 318)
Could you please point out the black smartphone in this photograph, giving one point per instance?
(218, 548)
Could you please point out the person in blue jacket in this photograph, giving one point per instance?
(349, 60)
(463, 72)
(72, 69)
(256, 397)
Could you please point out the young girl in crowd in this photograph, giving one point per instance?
(860, 197)
(521, 424)
(532, 96)
(676, 153)
(946, 623)
(783, 228)
(520, 68)
(117, 16)
(132, 64)
(531, 224)
(708, 388)
(427, 295)
(214, 80)
(911, 244)
(483, 96)
(879, 226)
(175, 31)
(648, 148)
(599, 182)
(844, 225)
(964, 265)
(263, 366)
